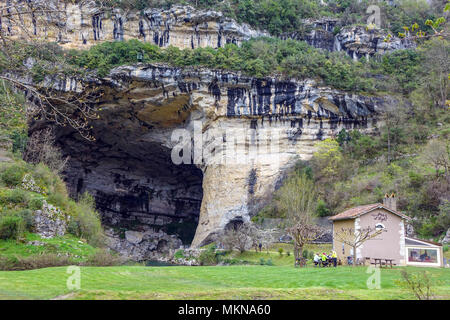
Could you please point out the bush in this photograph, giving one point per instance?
(17, 196)
(103, 258)
(280, 251)
(35, 204)
(85, 222)
(262, 261)
(27, 216)
(305, 253)
(445, 248)
(179, 254)
(322, 208)
(12, 175)
(269, 262)
(37, 261)
(11, 227)
(208, 257)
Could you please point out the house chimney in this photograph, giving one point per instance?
(390, 202)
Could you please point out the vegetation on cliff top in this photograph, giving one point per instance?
(401, 71)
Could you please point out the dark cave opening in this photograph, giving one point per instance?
(136, 186)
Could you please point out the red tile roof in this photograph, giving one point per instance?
(360, 210)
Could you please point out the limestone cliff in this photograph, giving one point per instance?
(130, 168)
(82, 24)
(356, 41)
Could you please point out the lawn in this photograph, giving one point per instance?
(215, 282)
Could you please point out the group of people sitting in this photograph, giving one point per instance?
(325, 260)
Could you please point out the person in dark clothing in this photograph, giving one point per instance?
(260, 246)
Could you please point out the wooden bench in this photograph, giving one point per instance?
(383, 262)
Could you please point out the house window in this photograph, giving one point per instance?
(422, 255)
(379, 226)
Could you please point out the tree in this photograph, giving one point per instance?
(297, 200)
(303, 233)
(355, 237)
(328, 159)
(38, 68)
(237, 237)
(436, 66)
(438, 153)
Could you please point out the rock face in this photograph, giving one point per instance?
(357, 41)
(447, 237)
(50, 222)
(238, 136)
(83, 24)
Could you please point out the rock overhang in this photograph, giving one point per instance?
(143, 104)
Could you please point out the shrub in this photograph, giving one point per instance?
(57, 199)
(11, 227)
(262, 261)
(179, 254)
(27, 216)
(103, 258)
(208, 257)
(420, 284)
(269, 262)
(12, 175)
(305, 254)
(35, 204)
(322, 208)
(288, 253)
(44, 260)
(17, 196)
(85, 222)
(280, 251)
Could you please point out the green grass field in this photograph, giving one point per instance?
(215, 282)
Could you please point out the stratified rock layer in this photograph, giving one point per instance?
(81, 25)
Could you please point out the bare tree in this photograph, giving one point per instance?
(438, 153)
(355, 237)
(265, 237)
(22, 56)
(41, 149)
(302, 234)
(237, 237)
(420, 284)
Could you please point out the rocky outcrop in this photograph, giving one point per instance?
(357, 41)
(142, 246)
(152, 116)
(82, 24)
(50, 221)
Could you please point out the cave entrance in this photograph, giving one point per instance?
(137, 187)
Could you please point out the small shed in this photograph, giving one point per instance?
(423, 253)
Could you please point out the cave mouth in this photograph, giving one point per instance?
(137, 188)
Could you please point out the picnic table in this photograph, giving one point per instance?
(386, 262)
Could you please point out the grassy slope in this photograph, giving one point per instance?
(66, 245)
(226, 282)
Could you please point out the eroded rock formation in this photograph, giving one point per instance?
(130, 167)
(357, 41)
(83, 24)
